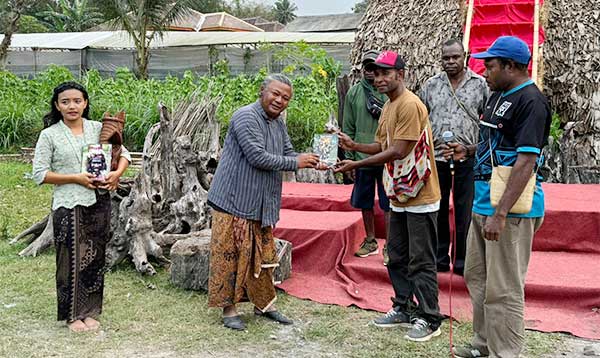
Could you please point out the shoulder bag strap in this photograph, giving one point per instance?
(460, 104)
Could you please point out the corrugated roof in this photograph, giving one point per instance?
(174, 38)
(215, 21)
(65, 40)
(120, 39)
(222, 21)
(324, 23)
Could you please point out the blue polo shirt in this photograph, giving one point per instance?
(517, 121)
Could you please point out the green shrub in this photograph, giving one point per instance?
(23, 102)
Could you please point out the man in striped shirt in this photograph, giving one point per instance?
(246, 197)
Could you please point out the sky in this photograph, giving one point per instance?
(321, 7)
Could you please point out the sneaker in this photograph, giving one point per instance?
(469, 352)
(386, 258)
(368, 247)
(421, 331)
(394, 318)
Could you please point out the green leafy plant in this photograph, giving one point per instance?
(24, 101)
(71, 16)
(555, 128)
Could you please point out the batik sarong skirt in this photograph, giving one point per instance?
(80, 237)
(242, 259)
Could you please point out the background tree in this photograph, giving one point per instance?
(144, 20)
(13, 10)
(37, 6)
(360, 7)
(29, 24)
(208, 6)
(284, 11)
(71, 16)
(103, 8)
(245, 9)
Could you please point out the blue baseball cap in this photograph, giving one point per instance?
(510, 47)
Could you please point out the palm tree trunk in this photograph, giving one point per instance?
(141, 59)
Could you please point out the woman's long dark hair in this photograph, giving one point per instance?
(54, 116)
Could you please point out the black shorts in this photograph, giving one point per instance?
(363, 193)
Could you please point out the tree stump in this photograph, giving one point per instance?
(190, 261)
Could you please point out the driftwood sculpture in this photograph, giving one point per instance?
(416, 29)
(39, 236)
(166, 201)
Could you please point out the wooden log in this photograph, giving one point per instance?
(342, 85)
(309, 175)
(168, 200)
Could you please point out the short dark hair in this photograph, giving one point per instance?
(454, 42)
(507, 61)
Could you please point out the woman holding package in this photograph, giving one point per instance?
(81, 204)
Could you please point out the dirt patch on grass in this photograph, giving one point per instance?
(575, 347)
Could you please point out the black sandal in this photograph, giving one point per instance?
(274, 316)
(234, 323)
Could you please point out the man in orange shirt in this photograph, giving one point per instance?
(412, 238)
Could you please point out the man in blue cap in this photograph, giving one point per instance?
(513, 130)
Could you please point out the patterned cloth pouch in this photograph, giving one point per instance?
(404, 178)
(112, 133)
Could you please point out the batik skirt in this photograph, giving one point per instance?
(80, 237)
(242, 259)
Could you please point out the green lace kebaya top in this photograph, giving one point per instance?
(59, 151)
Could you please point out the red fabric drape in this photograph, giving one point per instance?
(495, 18)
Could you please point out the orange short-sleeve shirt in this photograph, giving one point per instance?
(404, 118)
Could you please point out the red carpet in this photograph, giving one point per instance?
(562, 286)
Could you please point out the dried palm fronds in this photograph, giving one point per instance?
(572, 55)
(570, 65)
(415, 29)
(572, 83)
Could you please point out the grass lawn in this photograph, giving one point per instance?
(147, 316)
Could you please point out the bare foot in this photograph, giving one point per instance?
(77, 326)
(91, 323)
(230, 311)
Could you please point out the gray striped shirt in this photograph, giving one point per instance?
(247, 182)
